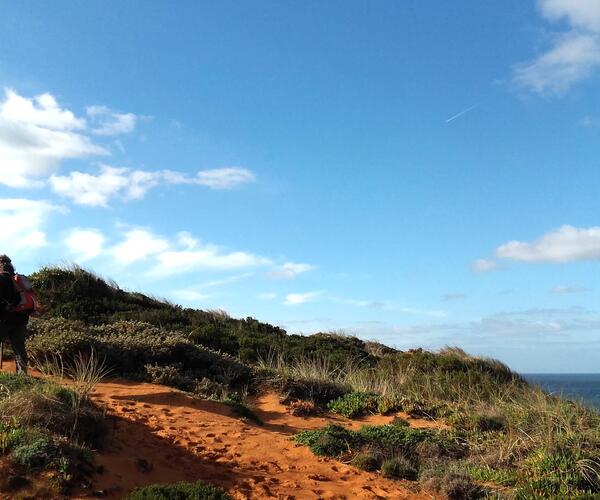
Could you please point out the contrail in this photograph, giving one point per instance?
(461, 113)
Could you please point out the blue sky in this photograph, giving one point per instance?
(421, 173)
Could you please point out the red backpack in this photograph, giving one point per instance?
(29, 302)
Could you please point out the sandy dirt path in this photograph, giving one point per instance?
(161, 435)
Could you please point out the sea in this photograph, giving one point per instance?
(577, 387)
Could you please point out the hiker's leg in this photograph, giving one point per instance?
(17, 336)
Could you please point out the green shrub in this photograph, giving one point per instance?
(355, 404)
(179, 491)
(130, 347)
(331, 440)
(318, 391)
(394, 439)
(40, 453)
(399, 468)
(11, 383)
(365, 461)
(11, 436)
(171, 375)
(555, 475)
(210, 389)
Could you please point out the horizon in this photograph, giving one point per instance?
(319, 167)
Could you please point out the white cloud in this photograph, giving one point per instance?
(302, 298)
(42, 110)
(36, 134)
(205, 257)
(290, 270)
(22, 223)
(189, 295)
(484, 266)
(575, 54)
(109, 122)
(267, 296)
(567, 289)
(574, 58)
(580, 13)
(224, 178)
(97, 190)
(111, 182)
(85, 244)
(138, 245)
(565, 244)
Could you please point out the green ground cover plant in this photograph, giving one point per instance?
(179, 491)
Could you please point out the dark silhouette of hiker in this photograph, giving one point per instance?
(13, 323)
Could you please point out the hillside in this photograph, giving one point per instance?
(444, 423)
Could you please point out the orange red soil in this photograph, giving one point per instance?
(160, 435)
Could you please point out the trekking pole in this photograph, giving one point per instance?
(1, 354)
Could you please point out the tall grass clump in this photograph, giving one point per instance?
(47, 427)
(507, 431)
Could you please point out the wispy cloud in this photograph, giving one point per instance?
(567, 289)
(574, 55)
(453, 296)
(98, 189)
(289, 270)
(302, 298)
(483, 266)
(106, 121)
(23, 222)
(224, 178)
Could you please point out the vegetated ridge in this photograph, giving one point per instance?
(361, 406)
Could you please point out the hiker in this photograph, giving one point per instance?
(13, 320)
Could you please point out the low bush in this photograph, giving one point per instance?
(171, 375)
(452, 483)
(179, 491)
(331, 440)
(379, 440)
(399, 468)
(366, 461)
(210, 389)
(355, 404)
(38, 454)
(135, 349)
(392, 439)
(318, 391)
